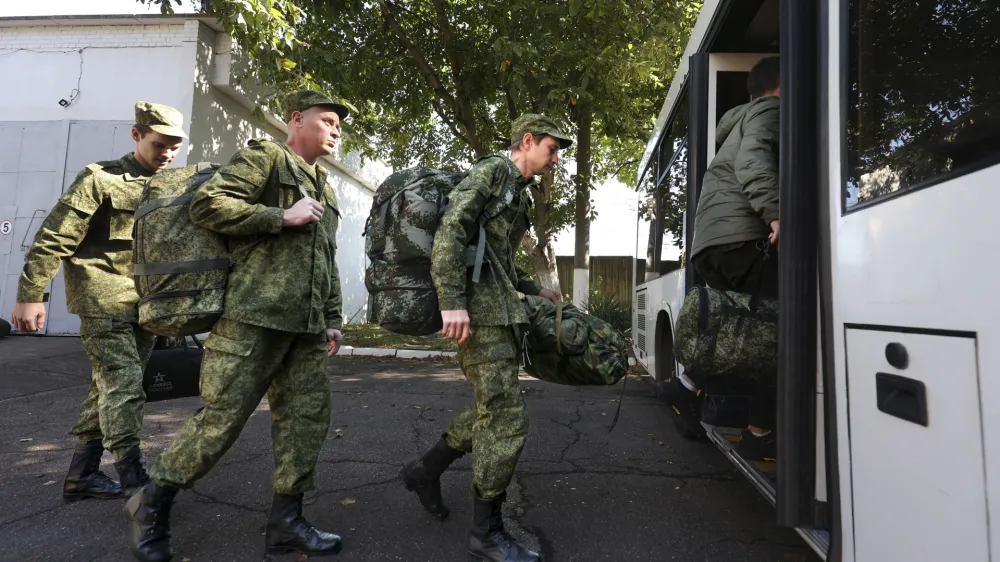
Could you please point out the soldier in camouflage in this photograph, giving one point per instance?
(89, 232)
(484, 317)
(282, 314)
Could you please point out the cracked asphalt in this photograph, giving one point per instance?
(581, 493)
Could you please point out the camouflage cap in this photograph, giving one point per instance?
(538, 124)
(161, 118)
(304, 99)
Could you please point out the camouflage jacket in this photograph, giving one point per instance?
(493, 301)
(89, 231)
(282, 278)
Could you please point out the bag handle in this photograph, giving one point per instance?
(754, 303)
(621, 398)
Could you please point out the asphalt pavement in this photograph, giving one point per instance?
(580, 494)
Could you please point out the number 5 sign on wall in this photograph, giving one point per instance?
(7, 215)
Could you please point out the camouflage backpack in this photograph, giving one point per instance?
(563, 345)
(400, 229)
(726, 333)
(180, 269)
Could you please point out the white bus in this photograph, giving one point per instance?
(888, 432)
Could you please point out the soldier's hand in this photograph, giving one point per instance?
(335, 338)
(28, 316)
(774, 232)
(550, 294)
(306, 210)
(456, 325)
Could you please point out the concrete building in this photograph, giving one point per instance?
(70, 84)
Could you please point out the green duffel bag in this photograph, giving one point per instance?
(180, 269)
(563, 345)
(726, 333)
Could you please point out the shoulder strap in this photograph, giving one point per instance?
(493, 208)
(296, 171)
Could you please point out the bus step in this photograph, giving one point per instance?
(764, 478)
(761, 475)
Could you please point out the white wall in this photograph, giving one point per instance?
(114, 65)
(180, 62)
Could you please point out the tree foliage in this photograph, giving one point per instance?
(438, 82)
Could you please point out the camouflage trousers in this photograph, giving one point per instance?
(112, 411)
(494, 427)
(241, 364)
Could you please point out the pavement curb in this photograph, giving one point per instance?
(404, 353)
(388, 352)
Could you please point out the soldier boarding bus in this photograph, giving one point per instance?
(887, 422)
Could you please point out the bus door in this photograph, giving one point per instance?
(913, 249)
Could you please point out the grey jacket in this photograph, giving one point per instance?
(739, 195)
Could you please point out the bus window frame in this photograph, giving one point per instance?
(653, 167)
(846, 54)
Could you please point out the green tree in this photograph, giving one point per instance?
(438, 82)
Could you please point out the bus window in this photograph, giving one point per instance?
(662, 198)
(923, 94)
(673, 186)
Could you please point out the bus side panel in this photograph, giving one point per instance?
(655, 300)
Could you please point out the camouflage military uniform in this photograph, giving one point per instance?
(282, 303)
(282, 295)
(494, 427)
(90, 231)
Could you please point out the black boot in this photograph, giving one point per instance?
(132, 472)
(288, 531)
(85, 479)
(423, 476)
(489, 541)
(148, 513)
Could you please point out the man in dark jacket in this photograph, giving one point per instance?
(737, 215)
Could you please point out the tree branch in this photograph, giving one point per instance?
(432, 78)
(622, 167)
(449, 43)
(451, 124)
(464, 111)
(511, 102)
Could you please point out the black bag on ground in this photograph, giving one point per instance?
(173, 372)
(4, 328)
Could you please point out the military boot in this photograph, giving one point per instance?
(148, 513)
(85, 479)
(423, 476)
(132, 472)
(489, 541)
(288, 531)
